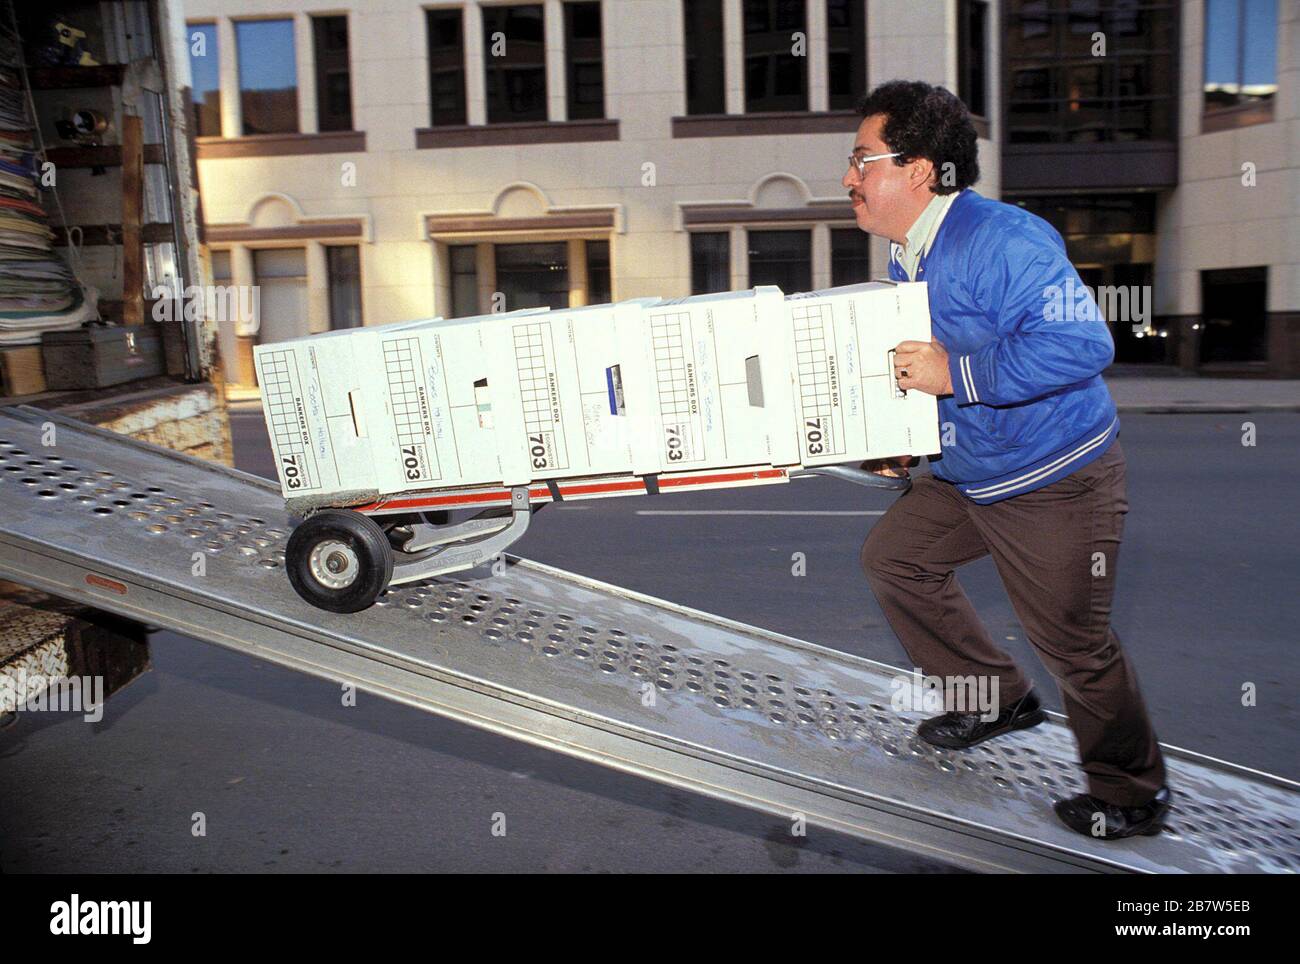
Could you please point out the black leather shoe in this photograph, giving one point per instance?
(956, 731)
(1109, 821)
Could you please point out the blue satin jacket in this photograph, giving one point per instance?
(1026, 347)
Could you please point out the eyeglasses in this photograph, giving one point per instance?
(860, 162)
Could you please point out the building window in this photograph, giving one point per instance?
(775, 78)
(281, 277)
(514, 54)
(972, 55)
(444, 29)
(464, 280)
(710, 262)
(598, 278)
(846, 52)
(1111, 241)
(220, 266)
(1096, 222)
(850, 256)
(344, 264)
(584, 61)
(1234, 323)
(1240, 54)
(533, 275)
(782, 258)
(1058, 92)
(333, 74)
(268, 76)
(205, 76)
(705, 71)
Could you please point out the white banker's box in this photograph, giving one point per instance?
(840, 342)
(643, 387)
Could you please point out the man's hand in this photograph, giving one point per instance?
(891, 468)
(924, 366)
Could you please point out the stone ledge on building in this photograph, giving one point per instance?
(280, 145)
(517, 132)
(767, 123)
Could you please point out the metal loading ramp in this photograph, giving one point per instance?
(763, 720)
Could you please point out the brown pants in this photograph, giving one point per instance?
(1056, 549)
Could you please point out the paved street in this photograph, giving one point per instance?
(290, 780)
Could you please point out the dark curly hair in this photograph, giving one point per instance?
(926, 121)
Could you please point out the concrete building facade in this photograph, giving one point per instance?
(1229, 235)
(394, 160)
(610, 202)
(1160, 138)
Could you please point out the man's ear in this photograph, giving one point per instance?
(921, 173)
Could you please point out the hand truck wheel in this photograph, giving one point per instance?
(339, 560)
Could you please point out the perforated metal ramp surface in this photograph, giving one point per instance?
(764, 720)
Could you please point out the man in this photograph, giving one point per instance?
(1031, 471)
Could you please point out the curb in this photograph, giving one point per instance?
(1205, 408)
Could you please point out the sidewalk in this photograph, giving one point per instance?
(1132, 393)
(1199, 394)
